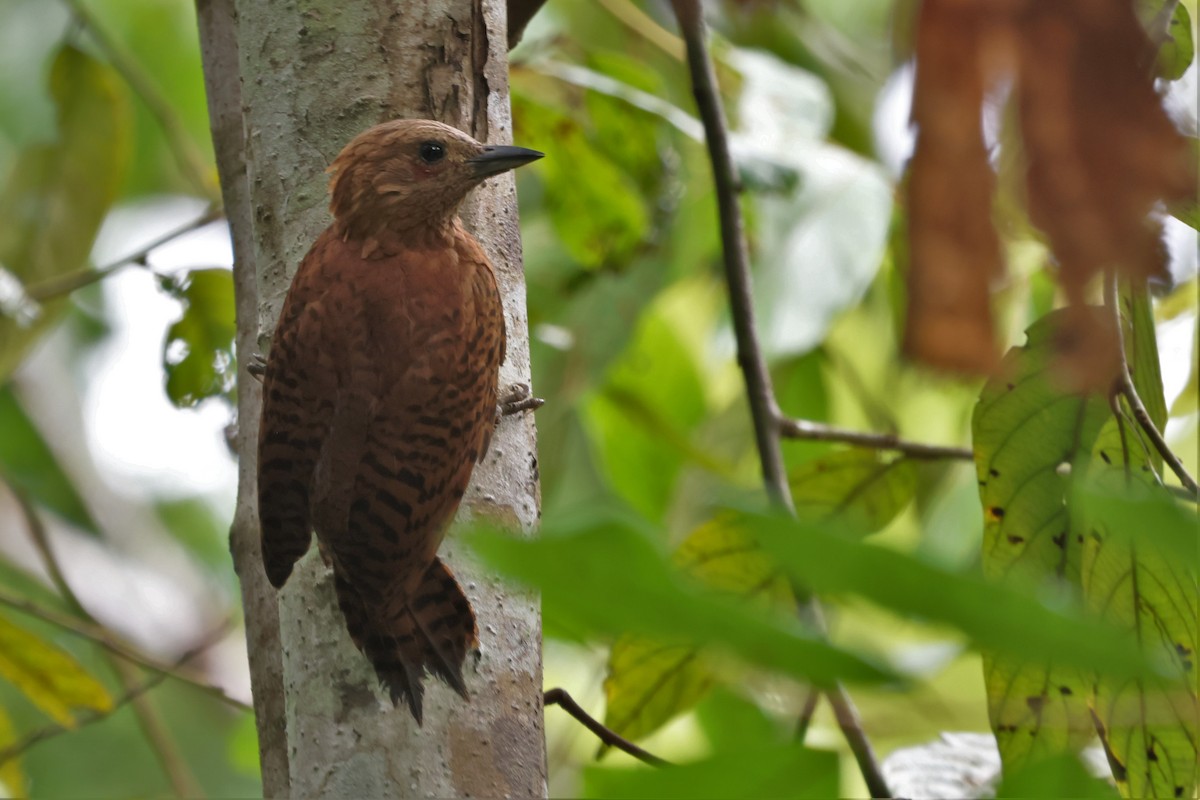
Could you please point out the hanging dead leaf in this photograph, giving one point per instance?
(1101, 150)
(1101, 154)
(955, 249)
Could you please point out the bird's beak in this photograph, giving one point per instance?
(498, 158)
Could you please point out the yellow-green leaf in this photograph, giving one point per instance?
(50, 677)
(1141, 345)
(58, 194)
(1150, 729)
(1027, 433)
(860, 487)
(12, 778)
(650, 681)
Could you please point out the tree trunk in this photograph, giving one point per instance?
(313, 73)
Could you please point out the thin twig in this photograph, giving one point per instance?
(131, 694)
(191, 162)
(1156, 438)
(1128, 389)
(736, 258)
(104, 638)
(819, 432)
(559, 697)
(65, 284)
(763, 407)
(804, 718)
(183, 782)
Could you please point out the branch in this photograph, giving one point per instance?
(131, 694)
(65, 284)
(104, 638)
(818, 432)
(191, 162)
(559, 697)
(161, 742)
(1160, 444)
(763, 408)
(804, 718)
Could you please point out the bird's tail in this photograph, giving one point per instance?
(432, 633)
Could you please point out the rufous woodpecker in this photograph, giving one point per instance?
(380, 393)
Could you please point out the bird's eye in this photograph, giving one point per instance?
(432, 152)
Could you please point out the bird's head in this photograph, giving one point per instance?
(410, 174)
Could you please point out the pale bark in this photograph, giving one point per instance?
(313, 74)
(219, 46)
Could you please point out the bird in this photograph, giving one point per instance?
(380, 395)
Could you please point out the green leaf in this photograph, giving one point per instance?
(1178, 49)
(650, 682)
(777, 770)
(606, 578)
(601, 220)
(994, 616)
(12, 777)
(860, 487)
(28, 464)
(1150, 728)
(1187, 210)
(730, 721)
(58, 194)
(51, 678)
(1139, 511)
(652, 397)
(198, 353)
(1027, 433)
(1178, 52)
(1054, 778)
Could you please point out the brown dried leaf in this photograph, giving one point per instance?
(955, 250)
(1101, 154)
(1101, 149)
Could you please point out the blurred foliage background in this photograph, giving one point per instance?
(117, 382)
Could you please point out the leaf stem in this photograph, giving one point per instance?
(1126, 387)
(560, 698)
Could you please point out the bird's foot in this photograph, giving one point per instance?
(518, 398)
(257, 366)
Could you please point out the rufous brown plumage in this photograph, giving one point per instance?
(380, 392)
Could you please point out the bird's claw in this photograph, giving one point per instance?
(518, 398)
(257, 366)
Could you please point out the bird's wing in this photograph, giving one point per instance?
(299, 389)
(491, 311)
